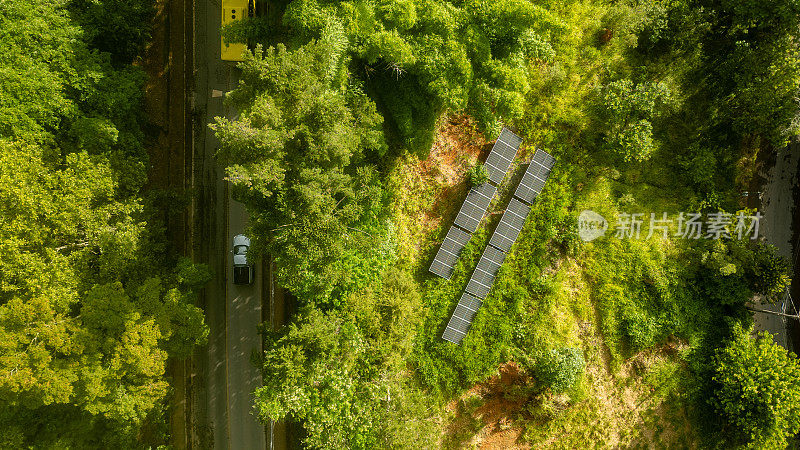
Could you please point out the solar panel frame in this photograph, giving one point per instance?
(480, 287)
(502, 155)
(510, 138)
(469, 301)
(510, 225)
(447, 256)
(535, 177)
(544, 159)
(474, 207)
(464, 313)
(491, 260)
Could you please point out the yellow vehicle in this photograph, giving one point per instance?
(233, 10)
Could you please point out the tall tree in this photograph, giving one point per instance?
(341, 373)
(420, 57)
(755, 388)
(91, 304)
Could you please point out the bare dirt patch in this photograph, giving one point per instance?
(624, 407)
(458, 146)
(484, 413)
(432, 188)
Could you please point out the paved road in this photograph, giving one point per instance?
(243, 317)
(226, 377)
(777, 206)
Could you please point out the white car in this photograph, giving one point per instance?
(243, 272)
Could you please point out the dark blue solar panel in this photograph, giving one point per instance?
(447, 256)
(535, 177)
(474, 207)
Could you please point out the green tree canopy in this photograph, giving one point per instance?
(296, 156)
(626, 110)
(756, 391)
(341, 372)
(421, 57)
(91, 302)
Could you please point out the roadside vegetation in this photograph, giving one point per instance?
(358, 138)
(93, 299)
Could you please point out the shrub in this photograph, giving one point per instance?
(558, 370)
(478, 175)
(626, 110)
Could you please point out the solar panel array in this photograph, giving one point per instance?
(500, 243)
(474, 207)
(502, 154)
(535, 176)
(483, 277)
(446, 258)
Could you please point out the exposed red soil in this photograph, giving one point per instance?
(498, 408)
(458, 145)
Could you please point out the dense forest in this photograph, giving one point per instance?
(347, 113)
(93, 298)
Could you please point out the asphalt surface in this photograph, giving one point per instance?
(777, 207)
(227, 376)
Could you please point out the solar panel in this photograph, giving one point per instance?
(461, 319)
(502, 154)
(510, 225)
(480, 283)
(469, 301)
(474, 207)
(464, 313)
(446, 257)
(453, 335)
(544, 159)
(535, 176)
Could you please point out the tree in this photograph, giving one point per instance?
(751, 67)
(755, 387)
(296, 156)
(341, 373)
(421, 57)
(119, 28)
(91, 303)
(559, 369)
(731, 272)
(627, 110)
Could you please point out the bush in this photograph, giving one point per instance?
(115, 26)
(627, 110)
(558, 370)
(477, 175)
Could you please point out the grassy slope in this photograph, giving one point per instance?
(553, 290)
